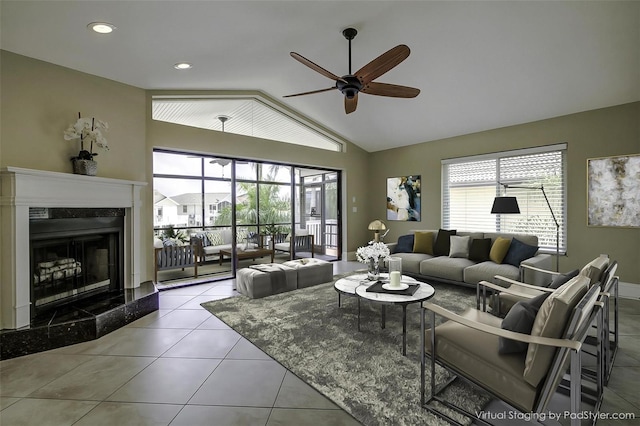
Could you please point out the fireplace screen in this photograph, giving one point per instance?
(74, 258)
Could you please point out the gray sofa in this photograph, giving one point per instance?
(467, 272)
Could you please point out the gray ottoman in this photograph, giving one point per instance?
(311, 271)
(264, 280)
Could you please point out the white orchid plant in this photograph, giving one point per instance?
(88, 130)
(376, 251)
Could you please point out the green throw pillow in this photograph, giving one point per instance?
(423, 242)
(499, 249)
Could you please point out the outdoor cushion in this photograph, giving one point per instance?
(519, 251)
(551, 321)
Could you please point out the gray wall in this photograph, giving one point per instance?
(598, 133)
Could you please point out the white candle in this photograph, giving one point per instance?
(394, 278)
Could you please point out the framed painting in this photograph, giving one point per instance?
(403, 198)
(613, 191)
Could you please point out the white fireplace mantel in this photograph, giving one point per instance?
(21, 189)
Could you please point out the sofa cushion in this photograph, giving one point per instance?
(442, 245)
(449, 268)
(459, 246)
(520, 319)
(551, 321)
(519, 251)
(479, 249)
(532, 240)
(423, 242)
(487, 270)
(499, 249)
(411, 261)
(405, 244)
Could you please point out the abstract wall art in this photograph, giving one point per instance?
(403, 198)
(613, 191)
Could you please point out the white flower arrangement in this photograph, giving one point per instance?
(88, 130)
(376, 251)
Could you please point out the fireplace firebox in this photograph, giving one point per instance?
(75, 254)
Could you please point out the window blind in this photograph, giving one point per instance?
(470, 185)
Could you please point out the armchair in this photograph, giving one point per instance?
(601, 270)
(524, 381)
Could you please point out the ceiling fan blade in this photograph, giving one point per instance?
(350, 105)
(392, 90)
(383, 63)
(315, 66)
(310, 93)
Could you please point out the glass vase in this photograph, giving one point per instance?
(373, 273)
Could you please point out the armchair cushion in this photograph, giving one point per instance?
(443, 243)
(405, 244)
(520, 319)
(519, 251)
(559, 280)
(595, 269)
(551, 321)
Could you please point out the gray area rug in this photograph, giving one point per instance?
(362, 372)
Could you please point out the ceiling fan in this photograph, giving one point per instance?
(362, 81)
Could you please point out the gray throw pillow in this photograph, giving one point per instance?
(459, 246)
(563, 278)
(520, 319)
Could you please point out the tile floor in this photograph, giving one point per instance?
(182, 366)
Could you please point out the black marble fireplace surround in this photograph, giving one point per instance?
(77, 288)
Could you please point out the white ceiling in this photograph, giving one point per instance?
(479, 65)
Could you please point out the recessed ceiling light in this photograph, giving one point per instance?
(101, 27)
(183, 66)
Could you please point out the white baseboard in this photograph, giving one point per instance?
(629, 290)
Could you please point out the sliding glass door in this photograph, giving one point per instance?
(233, 206)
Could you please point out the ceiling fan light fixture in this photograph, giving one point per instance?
(101, 27)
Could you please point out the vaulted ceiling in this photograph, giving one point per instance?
(479, 65)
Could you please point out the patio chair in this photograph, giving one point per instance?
(174, 257)
(467, 345)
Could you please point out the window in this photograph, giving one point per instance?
(471, 183)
